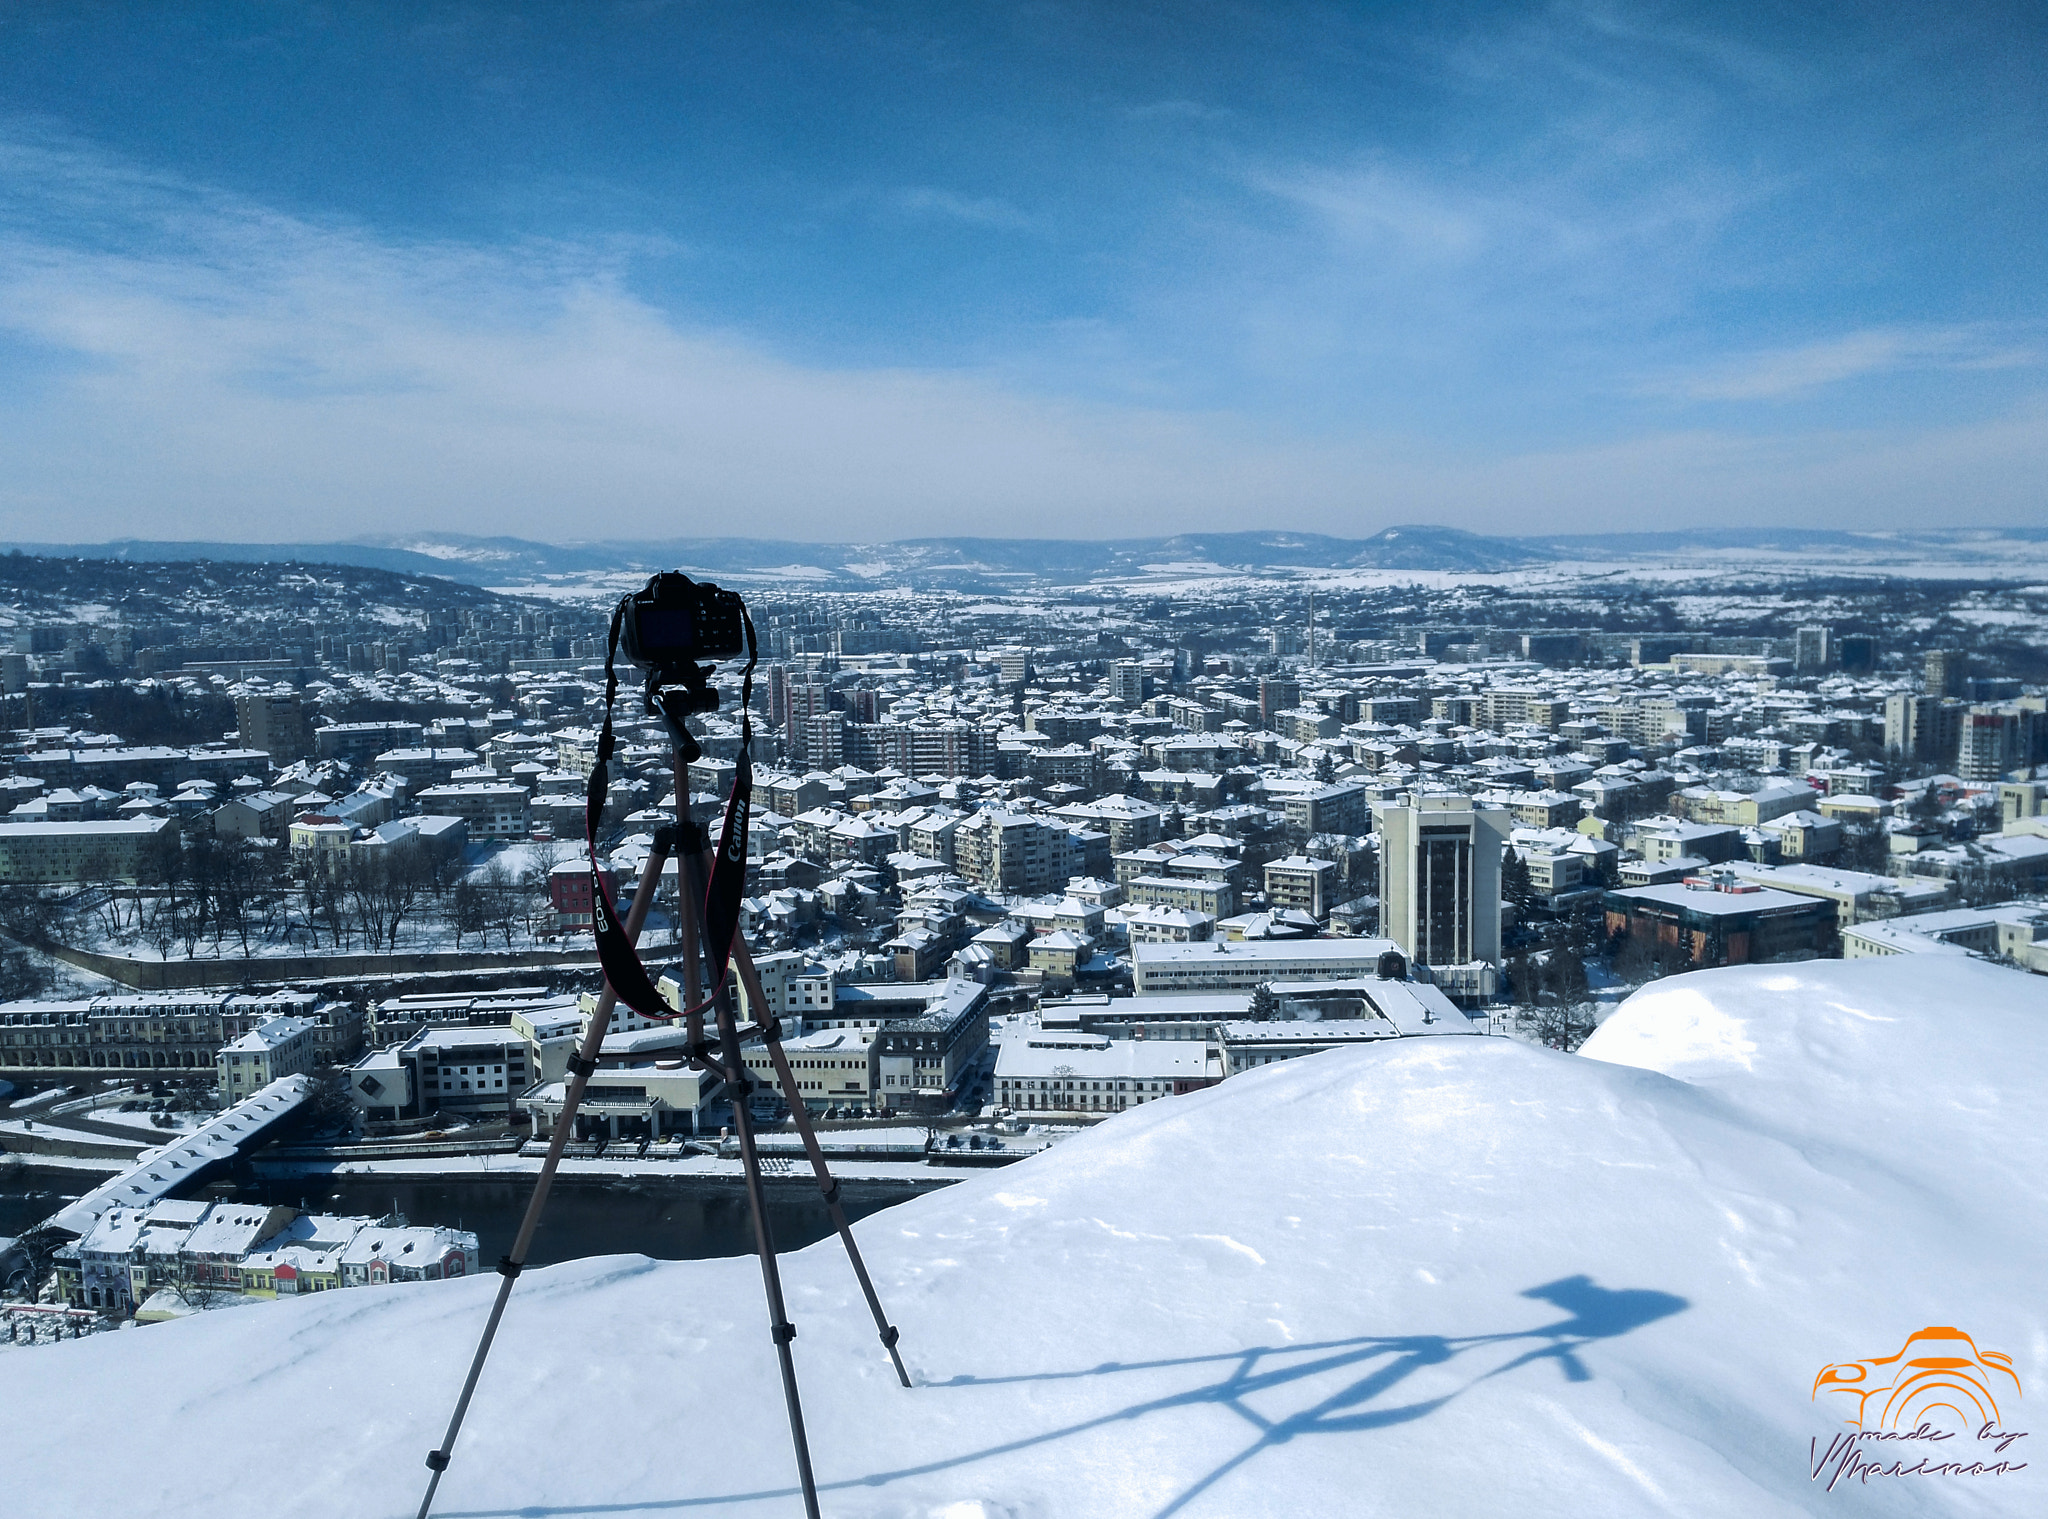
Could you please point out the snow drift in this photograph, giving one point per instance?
(1438, 1276)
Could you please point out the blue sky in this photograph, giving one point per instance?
(870, 271)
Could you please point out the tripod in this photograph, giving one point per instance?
(687, 838)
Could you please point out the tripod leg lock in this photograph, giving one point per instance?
(831, 1193)
(509, 1267)
(437, 1460)
(771, 1030)
(890, 1337)
(784, 1333)
(579, 1065)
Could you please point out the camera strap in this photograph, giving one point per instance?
(727, 887)
(623, 970)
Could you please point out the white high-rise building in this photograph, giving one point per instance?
(1813, 649)
(1440, 859)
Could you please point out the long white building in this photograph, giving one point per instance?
(1042, 1071)
(1239, 965)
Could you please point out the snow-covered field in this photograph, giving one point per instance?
(1431, 1277)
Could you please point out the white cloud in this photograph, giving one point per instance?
(221, 371)
(1786, 373)
(976, 210)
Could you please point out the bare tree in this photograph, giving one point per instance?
(500, 894)
(1566, 1026)
(324, 904)
(386, 885)
(194, 1291)
(362, 885)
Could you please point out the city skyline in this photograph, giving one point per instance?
(1069, 273)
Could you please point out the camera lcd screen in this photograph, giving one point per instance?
(664, 628)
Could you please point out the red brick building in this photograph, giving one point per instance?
(569, 892)
(1717, 920)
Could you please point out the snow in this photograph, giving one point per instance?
(1430, 1276)
(166, 1303)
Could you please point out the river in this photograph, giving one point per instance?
(669, 1219)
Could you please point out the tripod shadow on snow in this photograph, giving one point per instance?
(1592, 1313)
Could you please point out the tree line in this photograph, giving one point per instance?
(195, 892)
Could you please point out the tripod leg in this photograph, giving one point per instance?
(581, 1068)
(764, 1244)
(828, 1185)
(737, 1082)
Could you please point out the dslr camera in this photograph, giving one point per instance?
(674, 627)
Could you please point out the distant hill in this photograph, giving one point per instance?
(997, 563)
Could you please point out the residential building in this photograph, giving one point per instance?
(1539, 809)
(1812, 650)
(195, 1250)
(423, 767)
(919, 1061)
(1946, 672)
(274, 722)
(798, 989)
(1744, 809)
(1339, 807)
(1128, 683)
(475, 1072)
(1996, 739)
(359, 743)
(492, 809)
(1010, 852)
(1301, 882)
(1277, 694)
(254, 815)
(1922, 727)
(1059, 955)
(275, 1047)
(570, 893)
(1665, 839)
(104, 851)
(1147, 924)
(1212, 896)
(158, 1032)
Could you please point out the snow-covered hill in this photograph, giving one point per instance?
(1437, 1277)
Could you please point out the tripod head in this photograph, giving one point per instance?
(676, 702)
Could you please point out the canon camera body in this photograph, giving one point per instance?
(674, 624)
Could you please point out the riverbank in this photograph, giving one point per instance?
(690, 1168)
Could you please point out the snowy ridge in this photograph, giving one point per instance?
(1436, 1276)
(1405, 551)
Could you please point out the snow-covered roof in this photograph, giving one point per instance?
(1042, 1054)
(156, 1173)
(270, 1034)
(1709, 902)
